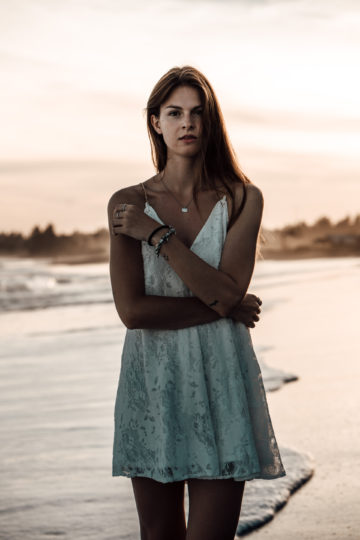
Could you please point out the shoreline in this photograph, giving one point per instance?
(267, 255)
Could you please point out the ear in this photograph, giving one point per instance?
(155, 121)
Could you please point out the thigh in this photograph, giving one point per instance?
(160, 508)
(214, 508)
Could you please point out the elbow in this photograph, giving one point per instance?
(132, 313)
(131, 321)
(129, 310)
(131, 326)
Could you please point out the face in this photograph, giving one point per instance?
(180, 114)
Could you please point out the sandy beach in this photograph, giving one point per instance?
(316, 335)
(59, 367)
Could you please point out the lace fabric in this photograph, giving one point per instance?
(191, 402)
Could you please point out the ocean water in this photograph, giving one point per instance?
(61, 343)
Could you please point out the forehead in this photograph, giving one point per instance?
(183, 96)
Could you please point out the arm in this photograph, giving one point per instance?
(135, 308)
(221, 289)
(239, 252)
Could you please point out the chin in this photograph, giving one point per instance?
(190, 151)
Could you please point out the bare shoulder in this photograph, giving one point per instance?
(252, 191)
(129, 194)
(254, 197)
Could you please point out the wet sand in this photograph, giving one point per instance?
(316, 336)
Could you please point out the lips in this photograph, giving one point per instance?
(186, 137)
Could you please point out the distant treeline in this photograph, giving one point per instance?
(322, 238)
(47, 243)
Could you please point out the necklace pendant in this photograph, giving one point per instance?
(184, 210)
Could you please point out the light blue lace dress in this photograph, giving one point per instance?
(191, 402)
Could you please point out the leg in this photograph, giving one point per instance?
(160, 508)
(214, 508)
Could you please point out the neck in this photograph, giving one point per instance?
(179, 176)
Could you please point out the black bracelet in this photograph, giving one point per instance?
(155, 231)
(165, 237)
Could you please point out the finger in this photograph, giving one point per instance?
(118, 216)
(116, 230)
(119, 209)
(116, 212)
(127, 206)
(118, 221)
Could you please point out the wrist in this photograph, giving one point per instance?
(155, 239)
(164, 240)
(154, 235)
(157, 236)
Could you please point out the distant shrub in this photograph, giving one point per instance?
(323, 222)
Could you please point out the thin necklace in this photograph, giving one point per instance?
(183, 208)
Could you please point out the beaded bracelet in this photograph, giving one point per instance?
(163, 239)
(155, 231)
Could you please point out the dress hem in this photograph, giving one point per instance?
(249, 477)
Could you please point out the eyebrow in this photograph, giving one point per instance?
(177, 107)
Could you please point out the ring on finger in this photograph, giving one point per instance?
(122, 209)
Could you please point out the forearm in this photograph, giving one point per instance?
(171, 313)
(213, 287)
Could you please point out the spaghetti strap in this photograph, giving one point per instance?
(142, 185)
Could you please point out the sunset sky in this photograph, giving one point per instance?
(75, 76)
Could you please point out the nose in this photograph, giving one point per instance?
(187, 120)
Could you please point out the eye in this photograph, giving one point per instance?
(173, 112)
(199, 111)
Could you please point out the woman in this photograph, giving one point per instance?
(191, 406)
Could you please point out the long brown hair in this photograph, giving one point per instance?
(218, 162)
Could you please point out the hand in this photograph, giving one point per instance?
(131, 220)
(247, 311)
